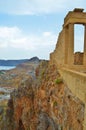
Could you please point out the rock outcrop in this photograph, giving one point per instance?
(44, 104)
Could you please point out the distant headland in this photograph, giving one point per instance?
(17, 62)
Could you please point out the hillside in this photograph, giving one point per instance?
(13, 78)
(43, 104)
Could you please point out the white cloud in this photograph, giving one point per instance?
(47, 34)
(6, 32)
(13, 37)
(38, 6)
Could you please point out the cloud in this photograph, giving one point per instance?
(14, 43)
(6, 32)
(14, 38)
(38, 6)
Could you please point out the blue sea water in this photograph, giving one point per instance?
(7, 67)
(5, 90)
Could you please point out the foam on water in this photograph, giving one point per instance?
(7, 67)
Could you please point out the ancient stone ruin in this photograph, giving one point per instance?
(64, 51)
(72, 67)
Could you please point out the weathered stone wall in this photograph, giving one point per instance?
(78, 58)
(76, 82)
(58, 55)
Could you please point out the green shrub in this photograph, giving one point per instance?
(58, 80)
(55, 103)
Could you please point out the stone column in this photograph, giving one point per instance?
(71, 44)
(66, 45)
(84, 59)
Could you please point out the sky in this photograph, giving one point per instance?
(30, 28)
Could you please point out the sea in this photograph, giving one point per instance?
(7, 67)
(5, 90)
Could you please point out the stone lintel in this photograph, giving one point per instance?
(78, 10)
(77, 16)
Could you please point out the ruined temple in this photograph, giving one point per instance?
(64, 51)
(72, 66)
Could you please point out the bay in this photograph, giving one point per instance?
(5, 91)
(7, 67)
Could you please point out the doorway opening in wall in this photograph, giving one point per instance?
(78, 44)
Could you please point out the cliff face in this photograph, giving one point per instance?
(44, 104)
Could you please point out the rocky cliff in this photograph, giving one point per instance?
(45, 103)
